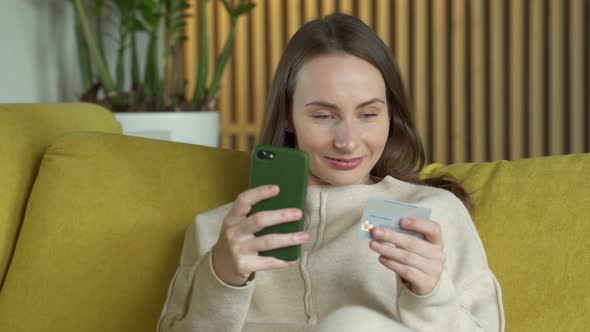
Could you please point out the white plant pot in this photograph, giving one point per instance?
(201, 128)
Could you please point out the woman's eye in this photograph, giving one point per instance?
(369, 115)
(322, 117)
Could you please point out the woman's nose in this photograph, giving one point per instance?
(346, 138)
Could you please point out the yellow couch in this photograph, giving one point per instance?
(91, 236)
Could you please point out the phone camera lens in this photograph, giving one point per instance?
(271, 155)
(262, 154)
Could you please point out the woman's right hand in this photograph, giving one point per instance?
(235, 255)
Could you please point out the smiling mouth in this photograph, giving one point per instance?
(345, 164)
(346, 160)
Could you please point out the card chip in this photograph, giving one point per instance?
(366, 226)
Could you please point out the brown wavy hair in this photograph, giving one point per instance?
(403, 156)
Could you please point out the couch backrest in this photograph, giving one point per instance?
(533, 216)
(104, 227)
(25, 132)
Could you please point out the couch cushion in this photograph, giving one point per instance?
(25, 132)
(104, 227)
(532, 216)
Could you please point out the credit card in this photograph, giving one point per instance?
(387, 214)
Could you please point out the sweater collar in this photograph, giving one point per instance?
(387, 184)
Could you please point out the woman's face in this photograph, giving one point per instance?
(340, 118)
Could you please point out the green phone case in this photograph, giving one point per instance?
(288, 169)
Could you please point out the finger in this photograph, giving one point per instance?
(246, 199)
(404, 257)
(263, 219)
(405, 241)
(411, 274)
(431, 229)
(262, 263)
(275, 241)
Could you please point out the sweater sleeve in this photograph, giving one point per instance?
(468, 296)
(446, 308)
(197, 299)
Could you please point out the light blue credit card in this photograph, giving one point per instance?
(387, 214)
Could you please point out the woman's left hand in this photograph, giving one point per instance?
(418, 262)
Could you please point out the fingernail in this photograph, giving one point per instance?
(377, 231)
(302, 236)
(296, 213)
(375, 244)
(405, 222)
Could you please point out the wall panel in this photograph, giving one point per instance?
(488, 79)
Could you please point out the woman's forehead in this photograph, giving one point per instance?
(335, 63)
(339, 76)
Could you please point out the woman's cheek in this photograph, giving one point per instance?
(313, 137)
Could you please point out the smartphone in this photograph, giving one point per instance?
(287, 168)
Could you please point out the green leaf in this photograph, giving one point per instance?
(97, 7)
(200, 86)
(243, 8)
(124, 6)
(137, 25)
(134, 62)
(222, 61)
(83, 55)
(148, 12)
(179, 26)
(149, 4)
(101, 67)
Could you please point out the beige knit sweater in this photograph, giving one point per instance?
(338, 269)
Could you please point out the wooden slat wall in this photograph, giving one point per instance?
(488, 79)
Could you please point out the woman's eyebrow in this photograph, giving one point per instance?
(326, 104)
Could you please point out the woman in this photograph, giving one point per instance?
(338, 95)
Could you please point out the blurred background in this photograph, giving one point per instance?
(488, 79)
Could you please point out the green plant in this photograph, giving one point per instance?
(161, 88)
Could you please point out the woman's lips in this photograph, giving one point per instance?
(345, 163)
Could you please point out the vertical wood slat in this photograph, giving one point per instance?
(364, 11)
(310, 11)
(402, 39)
(383, 24)
(328, 7)
(189, 49)
(535, 43)
(556, 79)
(241, 91)
(345, 6)
(441, 80)
(458, 84)
(516, 82)
(516, 87)
(497, 73)
(293, 15)
(586, 41)
(258, 60)
(477, 106)
(274, 28)
(576, 74)
(420, 75)
(587, 79)
(216, 13)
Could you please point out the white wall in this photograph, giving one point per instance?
(38, 54)
(38, 61)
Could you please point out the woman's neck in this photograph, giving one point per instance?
(313, 180)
